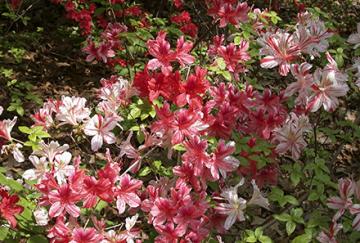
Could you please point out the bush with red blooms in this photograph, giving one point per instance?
(212, 128)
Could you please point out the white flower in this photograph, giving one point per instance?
(14, 149)
(41, 216)
(100, 128)
(41, 167)
(234, 207)
(326, 92)
(73, 110)
(62, 167)
(257, 198)
(1, 109)
(18, 155)
(5, 128)
(355, 38)
(51, 150)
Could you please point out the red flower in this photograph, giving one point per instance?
(96, 188)
(160, 49)
(64, 199)
(126, 193)
(8, 207)
(232, 55)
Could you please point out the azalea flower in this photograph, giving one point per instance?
(355, 38)
(72, 110)
(279, 49)
(182, 52)
(326, 92)
(257, 198)
(234, 208)
(100, 128)
(102, 52)
(41, 167)
(290, 136)
(50, 150)
(93, 189)
(62, 168)
(346, 190)
(130, 233)
(8, 207)
(329, 236)
(5, 128)
(126, 193)
(169, 233)
(41, 216)
(229, 13)
(302, 86)
(64, 199)
(160, 49)
(88, 235)
(233, 54)
(222, 160)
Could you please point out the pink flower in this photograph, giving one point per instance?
(9, 208)
(303, 82)
(51, 150)
(41, 167)
(126, 193)
(290, 136)
(182, 52)
(5, 128)
(168, 233)
(160, 49)
(72, 110)
(88, 235)
(196, 154)
(185, 124)
(232, 54)
(228, 13)
(346, 190)
(102, 52)
(326, 92)
(222, 160)
(93, 189)
(100, 128)
(64, 199)
(329, 236)
(233, 208)
(279, 49)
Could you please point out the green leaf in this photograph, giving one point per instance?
(258, 232)
(291, 199)
(14, 185)
(25, 129)
(283, 217)
(3, 232)
(304, 238)
(265, 239)
(220, 63)
(290, 227)
(100, 205)
(134, 113)
(37, 239)
(145, 171)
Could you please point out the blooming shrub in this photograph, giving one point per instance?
(189, 140)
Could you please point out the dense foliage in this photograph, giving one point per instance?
(219, 122)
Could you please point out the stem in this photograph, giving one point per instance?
(138, 161)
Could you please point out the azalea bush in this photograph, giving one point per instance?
(219, 122)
